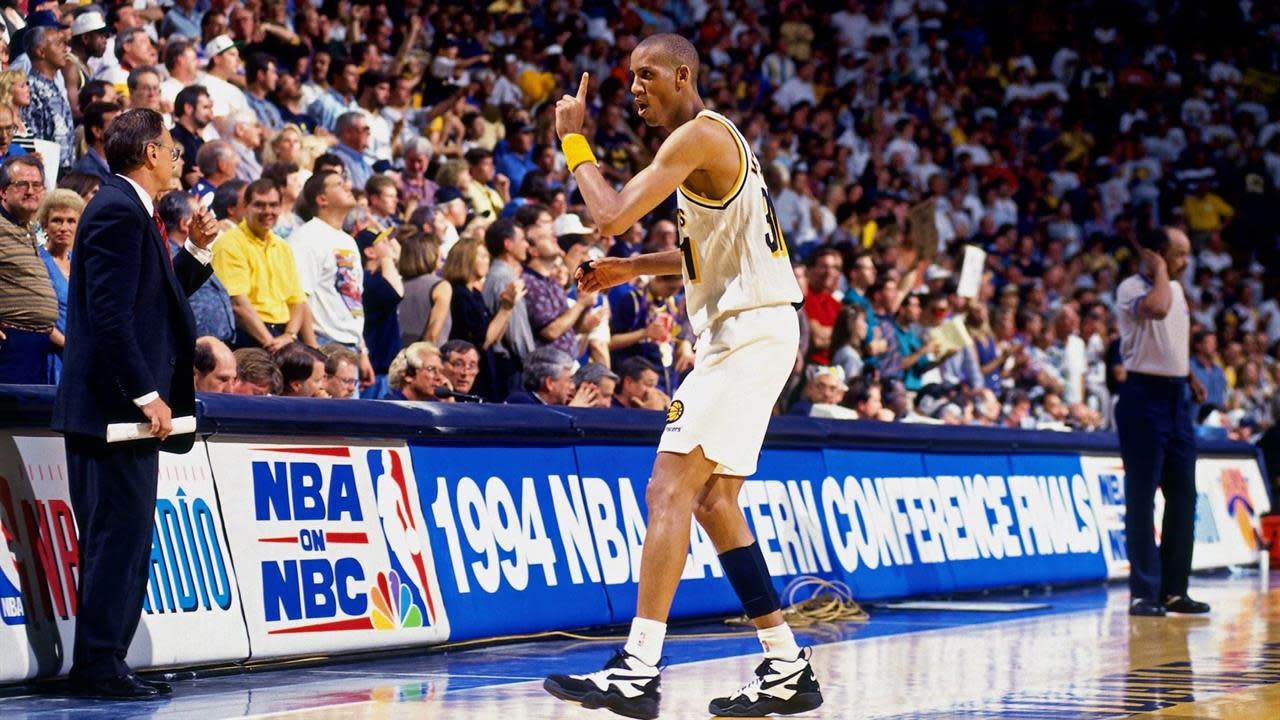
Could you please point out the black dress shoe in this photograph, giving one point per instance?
(1146, 608)
(162, 688)
(122, 687)
(1185, 605)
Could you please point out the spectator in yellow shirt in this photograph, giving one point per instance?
(487, 200)
(1205, 212)
(260, 274)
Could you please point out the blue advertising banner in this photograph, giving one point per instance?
(514, 535)
(623, 472)
(881, 534)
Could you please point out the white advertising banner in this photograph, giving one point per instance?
(192, 591)
(1238, 498)
(331, 545)
(1230, 500)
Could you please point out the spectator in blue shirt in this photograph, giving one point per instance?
(352, 130)
(340, 98)
(1207, 369)
(262, 77)
(513, 156)
(642, 321)
(184, 19)
(210, 303)
(8, 128)
(383, 290)
(58, 216)
(96, 118)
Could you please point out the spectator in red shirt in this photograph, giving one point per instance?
(820, 302)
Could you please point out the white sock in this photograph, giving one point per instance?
(645, 640)
(779, 643)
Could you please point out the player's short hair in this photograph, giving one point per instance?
(675, 48)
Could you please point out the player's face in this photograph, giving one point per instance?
(654, 85)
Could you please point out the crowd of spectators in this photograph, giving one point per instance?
(399, 222)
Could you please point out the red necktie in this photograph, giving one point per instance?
(164, 236)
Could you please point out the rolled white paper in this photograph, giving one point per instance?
(124, 432)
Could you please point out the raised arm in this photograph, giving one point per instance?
(685, 151)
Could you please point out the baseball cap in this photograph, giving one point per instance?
(834, 371)
(44, 18)
(570, 224)
(217, 46)
(447, 194)
(87, 22)
(366, 238)
(22, 36)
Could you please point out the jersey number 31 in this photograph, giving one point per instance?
(772, 238)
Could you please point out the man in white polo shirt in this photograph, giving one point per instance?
(223, 58)
(330, 267)
(1154, 421)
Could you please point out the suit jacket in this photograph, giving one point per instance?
(130, 330)
(523, 397)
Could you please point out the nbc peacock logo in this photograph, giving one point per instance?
(393, 605)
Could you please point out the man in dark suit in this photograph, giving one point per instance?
(130, 343)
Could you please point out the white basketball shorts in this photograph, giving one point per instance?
(724, 405)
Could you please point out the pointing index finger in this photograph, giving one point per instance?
(582, 87)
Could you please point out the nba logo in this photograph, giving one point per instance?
(11, 607)
(402, 596)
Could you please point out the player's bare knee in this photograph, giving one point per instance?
(667, 495)
(711, 508)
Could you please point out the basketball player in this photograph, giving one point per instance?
(739, 288)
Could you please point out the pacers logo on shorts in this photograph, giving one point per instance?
(675, 411)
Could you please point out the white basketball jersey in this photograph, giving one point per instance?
(734, 256)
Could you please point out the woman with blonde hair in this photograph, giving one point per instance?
(285, 146)
(455, 174)
(15, 92)
(465, 269)
(58, 216)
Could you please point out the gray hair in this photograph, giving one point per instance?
(593, 373)
(355, 217)
(345, 121)
(212, 153)
(132, 81)
(39, 36)
(545, 363)
(418, 145)
(240, 117)
(409, 359)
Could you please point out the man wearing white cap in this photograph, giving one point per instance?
(88, 42)
(556, 321)
(223, 58)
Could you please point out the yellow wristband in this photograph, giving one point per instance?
(577, 150)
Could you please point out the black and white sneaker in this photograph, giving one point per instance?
(626, 686)
(781, 687)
